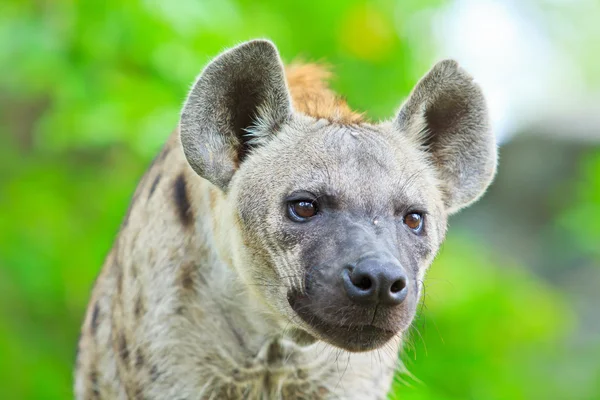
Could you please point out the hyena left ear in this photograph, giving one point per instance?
(447, 115)
(239, 88)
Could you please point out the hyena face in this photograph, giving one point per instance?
(340, 223)
(333, 225)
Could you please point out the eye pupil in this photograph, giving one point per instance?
(414, 221)
(304, 209)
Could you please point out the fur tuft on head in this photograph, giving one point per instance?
(311, 95)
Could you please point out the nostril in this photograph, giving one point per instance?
(361, 287)
(398, 285)
(362, 282)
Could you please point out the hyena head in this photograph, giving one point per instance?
(333, 225)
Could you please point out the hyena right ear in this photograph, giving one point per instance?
(239, 88)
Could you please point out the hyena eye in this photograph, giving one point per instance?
(414, 221)
(302, 210)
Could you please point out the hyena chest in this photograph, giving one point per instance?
(278, 371)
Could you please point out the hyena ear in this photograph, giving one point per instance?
(235, 91)
(447, 115)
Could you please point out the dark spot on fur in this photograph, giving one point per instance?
(95, 319)
(154, 373)
(123, 350)
(188, 282)
(94, 384)
(139, 393)
(302, 374)
(274, 352)
(115, 268)
(154, 185)
(139, 306)
(119, 278)
(160, 157)
(139, 359)
(182, 201)
(164, 153)
(188, 274)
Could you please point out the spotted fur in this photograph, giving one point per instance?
(195, 300)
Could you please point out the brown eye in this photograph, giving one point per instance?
(302, 210)
(414, 221)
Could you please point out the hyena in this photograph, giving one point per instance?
(276, 247)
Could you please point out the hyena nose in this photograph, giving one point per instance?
(371, 282)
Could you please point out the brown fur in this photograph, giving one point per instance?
(311, 95)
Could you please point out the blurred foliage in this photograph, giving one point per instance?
(586, 236)
(90, 90)
(476, 338)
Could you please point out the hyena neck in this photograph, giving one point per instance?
(173, 234)
(230, 287)
(252, 322)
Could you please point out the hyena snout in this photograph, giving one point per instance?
(373, 281)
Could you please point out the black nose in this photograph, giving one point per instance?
(373, 281)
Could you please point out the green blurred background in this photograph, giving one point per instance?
(89, 90)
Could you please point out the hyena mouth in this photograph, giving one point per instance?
(354, 337)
